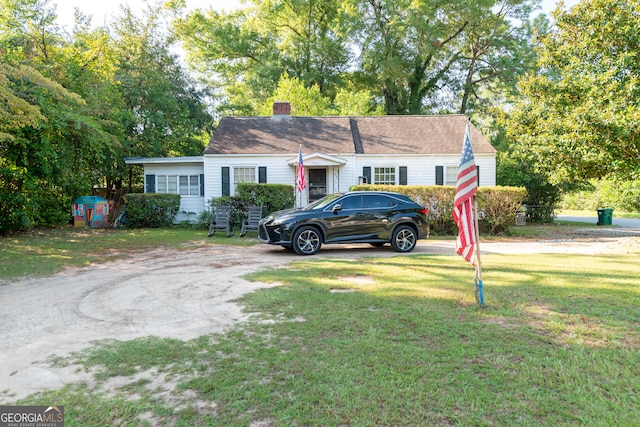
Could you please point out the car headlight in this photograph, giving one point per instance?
(280, 221)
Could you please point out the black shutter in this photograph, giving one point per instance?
(366, 172)
(202, 184)
(439, 175)
(151, 183)
(403, 175)
(226, 187)
(262, 175)
(478, 174)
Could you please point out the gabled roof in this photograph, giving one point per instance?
(391, 135)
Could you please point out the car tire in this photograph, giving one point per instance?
(404, 239)
(306, 241)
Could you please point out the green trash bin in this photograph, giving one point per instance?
(605, 216)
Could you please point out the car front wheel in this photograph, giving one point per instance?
(404, 239)
(306, 241)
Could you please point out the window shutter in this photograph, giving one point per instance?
(151, 183)
(202, 184)
(366, 172)
(262, 175)
(403, 175)
(439, 175)
(478, 174)
(226, 187)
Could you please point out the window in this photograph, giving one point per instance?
(162, 184)
(185, 185)
(384, 175)
(194, 185)
(374, 201)
(452, 175)
(351, 202)
(173, 184)
(243, 175)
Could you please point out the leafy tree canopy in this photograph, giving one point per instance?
(411, 56)
(579, 116)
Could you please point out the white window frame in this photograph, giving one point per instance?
(248, 175)
(385, 175)
(451, 174)
(184, 185)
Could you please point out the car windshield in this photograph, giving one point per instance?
(322, 203)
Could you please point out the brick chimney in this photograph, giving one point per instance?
(281, 109)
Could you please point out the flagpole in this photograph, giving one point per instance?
(479, 291)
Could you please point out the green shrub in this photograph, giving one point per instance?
(14, 205)
(271, 197)
(150, 210)
(27, 202)
(606, 193)
(498, 205)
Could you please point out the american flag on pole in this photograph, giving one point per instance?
(300, 181)
(463, 203)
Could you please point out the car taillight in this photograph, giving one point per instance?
(424, 211)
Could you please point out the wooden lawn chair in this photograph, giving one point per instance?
(251, 222)
(221, 220)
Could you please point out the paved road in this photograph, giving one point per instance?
(620, 222)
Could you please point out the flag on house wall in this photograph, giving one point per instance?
(300, 181)
(464, 203)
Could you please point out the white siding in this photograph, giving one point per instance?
(421, 170)
(194, 204)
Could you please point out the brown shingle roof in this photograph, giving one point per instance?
(339, 135)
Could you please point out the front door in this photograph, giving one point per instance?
(317, 184)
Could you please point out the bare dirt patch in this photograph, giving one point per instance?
(182, 294)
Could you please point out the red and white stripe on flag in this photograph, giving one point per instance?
(463, 203)
(300, 181)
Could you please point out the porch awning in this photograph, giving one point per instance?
(318, 159)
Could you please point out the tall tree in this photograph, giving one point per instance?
(48, 138)
(406, 52)
(579, 117)
(246, 51)
(165, 110)
(495, 52)
(406, 47)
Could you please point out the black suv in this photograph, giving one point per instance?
(373, 217)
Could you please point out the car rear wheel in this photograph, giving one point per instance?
(306, 241)
(404, 239)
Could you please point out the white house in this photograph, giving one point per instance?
(337, 152)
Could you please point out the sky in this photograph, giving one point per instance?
(103, 10)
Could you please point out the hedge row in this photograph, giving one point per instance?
(498, 206)
(151, 210)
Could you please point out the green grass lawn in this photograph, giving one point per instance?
(391, 341)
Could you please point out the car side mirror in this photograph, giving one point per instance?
(336, 208)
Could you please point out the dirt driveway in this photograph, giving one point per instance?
(180, 294)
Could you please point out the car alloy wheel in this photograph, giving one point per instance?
(404, 239)
(306, 241)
